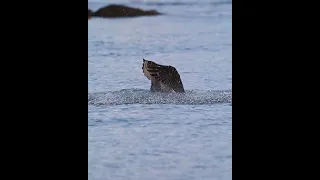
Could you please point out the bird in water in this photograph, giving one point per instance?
(163, 78)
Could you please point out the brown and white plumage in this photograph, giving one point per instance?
(163, 78)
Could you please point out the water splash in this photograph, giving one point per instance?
(143, 96)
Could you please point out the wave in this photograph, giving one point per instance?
(143, 96)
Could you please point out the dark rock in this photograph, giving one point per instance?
(113, 11)
(89, 13)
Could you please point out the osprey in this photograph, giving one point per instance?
(163, 78)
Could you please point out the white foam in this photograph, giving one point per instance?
(143, 96)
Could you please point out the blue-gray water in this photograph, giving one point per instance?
(138, 135)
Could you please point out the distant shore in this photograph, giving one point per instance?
(117, 11)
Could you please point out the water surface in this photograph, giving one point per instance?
(135, 134)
